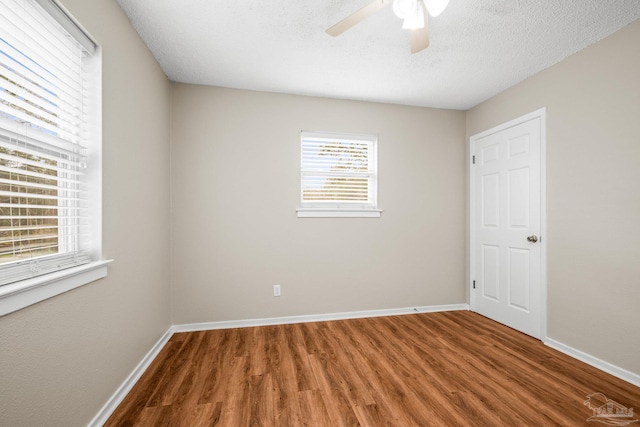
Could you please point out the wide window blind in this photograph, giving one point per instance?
(337, 170)
(43, 139)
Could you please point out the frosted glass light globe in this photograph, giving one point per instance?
(404, 8)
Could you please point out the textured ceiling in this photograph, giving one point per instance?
(478, 48)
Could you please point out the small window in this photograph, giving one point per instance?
(338, 175)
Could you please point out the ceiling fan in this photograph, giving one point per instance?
(411, 11)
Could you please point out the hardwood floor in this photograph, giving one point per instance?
(436, 369)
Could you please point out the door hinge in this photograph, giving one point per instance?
(474, 284)
(473, 159)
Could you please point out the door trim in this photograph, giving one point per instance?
(542, 115)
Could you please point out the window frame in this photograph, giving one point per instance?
(17, 295)
(336, 209)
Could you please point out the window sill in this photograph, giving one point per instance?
(338, 213)
(16, 296)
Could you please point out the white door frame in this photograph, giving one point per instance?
(542, 114)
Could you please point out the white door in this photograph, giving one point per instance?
(506, 224)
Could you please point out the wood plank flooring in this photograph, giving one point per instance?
(436, 369)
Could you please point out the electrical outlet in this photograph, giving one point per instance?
(276, 290)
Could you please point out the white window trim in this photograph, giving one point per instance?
(344, 210)
(18, 295)
(338, 213)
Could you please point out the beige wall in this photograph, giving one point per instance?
(593, 192)
(235, 182)
(60, 360)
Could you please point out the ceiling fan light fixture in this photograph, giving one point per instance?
(436, 7)
(411, 11)
(405, 8)
(414, 21)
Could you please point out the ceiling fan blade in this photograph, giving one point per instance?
(357, 17)
(420, 36)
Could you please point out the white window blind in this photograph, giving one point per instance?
(338, 172)
(44, 214)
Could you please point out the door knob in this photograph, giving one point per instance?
(533, 238)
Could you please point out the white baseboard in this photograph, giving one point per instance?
(128, 384)
(316, 318)
(607, 367)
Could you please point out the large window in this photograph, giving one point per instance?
(338, 175)
(49, 147)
